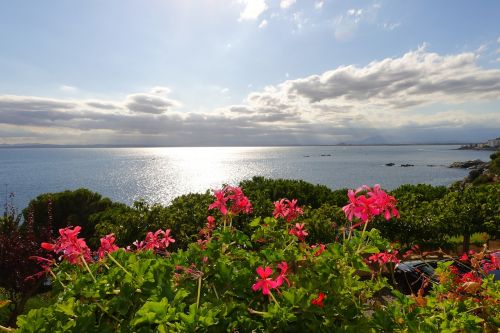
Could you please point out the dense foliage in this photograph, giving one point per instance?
(268, 280)
(18, 271)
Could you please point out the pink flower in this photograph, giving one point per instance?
(320, 249)
(71, 248)
(265, 283)
(283, 267)
(220, 202)
(210, 222)
(107, 245)
(46, 265)
(385, 203)
(159, 240)
(318, 301)
(383, 258)
(233, 195)
(366, 206)
(287, 209)
(464, 257)
(298, 231)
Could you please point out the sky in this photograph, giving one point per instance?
(249, 72)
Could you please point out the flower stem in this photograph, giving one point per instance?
(362, 234)
(199, 293)
(273, 298)
(118, 264)
(88, 268)
(55, 278)
(106, 312)
(252, 311)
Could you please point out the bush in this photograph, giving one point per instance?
(268, 281)
(68, 208)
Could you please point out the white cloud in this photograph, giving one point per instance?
(154, 102)
(67, 88)
(390, 26)
(158, 90)
(263, 24)
(253, 9)
(498, 40)
(417, 96)
(347, 23)
(284, 4)
(319, 4)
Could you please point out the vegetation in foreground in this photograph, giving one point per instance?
(452, 219)
(261, 274)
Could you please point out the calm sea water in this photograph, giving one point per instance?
(160, 174)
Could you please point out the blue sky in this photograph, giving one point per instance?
(249, 72)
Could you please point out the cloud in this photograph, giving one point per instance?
(253, 9)
(346, 24)
(67, 88)
(390, 26)
(319, 4)
(263, 24)
(154, 102)
(420, 96)
(284, 4)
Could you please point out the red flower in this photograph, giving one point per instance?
(320, 249)
(234, 195)
(220, 202)
(159, 240)
(265, 283)
(385, 203)
(210, 222)
(70, 246)
(283, 267)
(365, 207)
(287, 209)
(107, 245)
(383, 258)
(298, 231)
(318, 301)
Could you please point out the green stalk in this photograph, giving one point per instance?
(88, 268)
(362, 234)
(106, 312)
(274, 299)
(55, 278)
(252, 311)
(118, 264)
(199, 294)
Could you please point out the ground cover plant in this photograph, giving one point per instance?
(267, 279)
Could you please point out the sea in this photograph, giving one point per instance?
(158, 175)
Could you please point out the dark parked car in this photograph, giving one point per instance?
(410, 276)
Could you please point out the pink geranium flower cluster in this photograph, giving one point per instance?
(157, 241)
(366, 203)
(383, 258)
(74, 249)
(318, 301)
(69, 246)
(266, 283)
(231, 199)
(287, 209)
(299, 232)
(107, 246)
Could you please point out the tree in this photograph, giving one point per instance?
(68, 208)
(18, 243)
